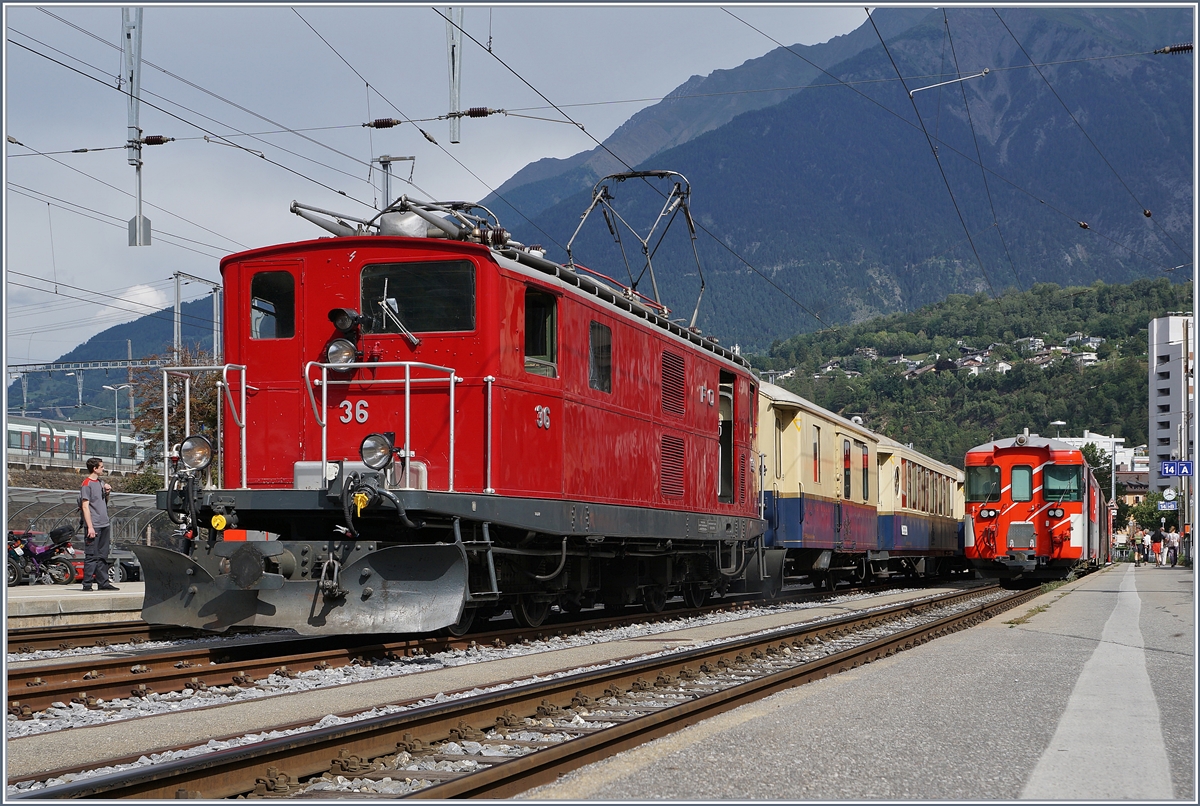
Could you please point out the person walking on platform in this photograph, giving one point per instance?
(1173, 546)
(1147, 543)
(93, 505)
(1156, 545)
(1135, 548)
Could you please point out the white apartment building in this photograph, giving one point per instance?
(1171, 394)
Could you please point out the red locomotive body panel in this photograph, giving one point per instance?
(554, 434)
(1031, 509)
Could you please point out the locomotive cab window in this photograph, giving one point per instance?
(541, 343)
(600, 357)
(272, 305)
(1022, 483)
(983, 484)
(1062, 483)
(428, 297)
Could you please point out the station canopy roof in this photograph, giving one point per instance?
(49, 508)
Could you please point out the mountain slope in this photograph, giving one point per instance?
(834, 195)
(699, 105)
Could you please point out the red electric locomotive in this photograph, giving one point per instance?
(432, 420)
(1033, 510)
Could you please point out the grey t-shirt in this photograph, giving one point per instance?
(93, 493)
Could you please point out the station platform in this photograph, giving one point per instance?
(63, 605)
(1088, 694)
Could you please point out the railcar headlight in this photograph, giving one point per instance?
(1057, 512)
(195, 452)
(345, 319)
(376, 451)
(341, 351)
(988, 513)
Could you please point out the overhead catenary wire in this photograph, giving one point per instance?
(432, 140)
(213, 136)
(1074, 219)
(1054, 92)
(120, 222)
(593, 138)
(127, 193)
(203, 129)
(936, 158)
(979, 153)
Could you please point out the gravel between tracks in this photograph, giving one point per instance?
(77, 716)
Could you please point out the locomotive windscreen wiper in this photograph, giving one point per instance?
(391, 310)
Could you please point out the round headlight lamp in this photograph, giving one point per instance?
(345, 319)
(341, 351)
(195, 452)
(1057, 512)
(376, 451)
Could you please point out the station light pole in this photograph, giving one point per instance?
(117, 419)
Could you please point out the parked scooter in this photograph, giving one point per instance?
(47, 564)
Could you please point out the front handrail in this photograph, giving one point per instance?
(238, 412)
(321, 414)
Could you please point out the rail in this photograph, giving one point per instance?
(408, 381)
(238, 412)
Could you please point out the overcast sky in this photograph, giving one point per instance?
(239, 71)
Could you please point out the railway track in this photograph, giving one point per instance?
(91, 680)
(505, 742)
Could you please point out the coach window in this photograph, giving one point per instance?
(600, 357)
(1062, 483)
(421, 297)
(780, 425)
(816, 453)
(866, 490)
(846, 474)
(983, 484)
(1022, 483)
(541, 342)
(272, 305)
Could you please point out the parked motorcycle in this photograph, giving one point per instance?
(46, 563)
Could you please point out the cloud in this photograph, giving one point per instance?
(139, 300)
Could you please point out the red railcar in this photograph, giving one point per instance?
(441, 422)
(1033, 510)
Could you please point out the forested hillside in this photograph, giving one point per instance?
(945, 410)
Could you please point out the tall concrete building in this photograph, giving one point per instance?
(1171, 394)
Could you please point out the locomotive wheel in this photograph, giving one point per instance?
(529, 612)
(694, 595)
(15, 577)
(461, 627)
(654, 597)
(61, 572)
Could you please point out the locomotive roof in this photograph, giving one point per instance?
(512, 259)
(1032, 441)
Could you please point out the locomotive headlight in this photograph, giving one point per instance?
(341, 351)
(195, 452)
(376, 451)
(1056, 512)
(345, 319)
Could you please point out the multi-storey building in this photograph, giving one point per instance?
(1171, 393)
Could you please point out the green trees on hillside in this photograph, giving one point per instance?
(946, 411)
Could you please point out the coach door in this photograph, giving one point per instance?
(272, 349)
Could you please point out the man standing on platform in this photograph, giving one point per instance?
(93, 503)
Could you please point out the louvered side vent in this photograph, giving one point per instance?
(673, 395)
(742, 481)
(672, 467)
